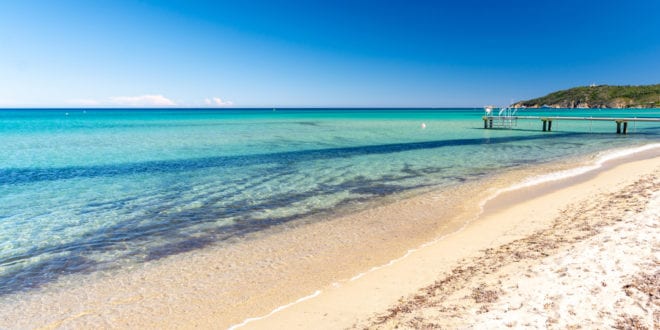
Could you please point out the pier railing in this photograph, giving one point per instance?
(511, 121)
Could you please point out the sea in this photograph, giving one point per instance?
(95, 190)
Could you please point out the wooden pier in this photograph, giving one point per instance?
(510, 121)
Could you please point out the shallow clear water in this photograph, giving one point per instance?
(82, 191)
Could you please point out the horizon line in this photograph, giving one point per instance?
(239, 108)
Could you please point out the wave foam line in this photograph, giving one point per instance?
(390, 263)
(278, 309)
(565, 174)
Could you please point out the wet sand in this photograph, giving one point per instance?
(328, 262)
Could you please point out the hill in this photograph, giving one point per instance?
(602, 96)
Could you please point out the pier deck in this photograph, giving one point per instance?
(509, 121)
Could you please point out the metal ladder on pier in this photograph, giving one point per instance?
(505, 118)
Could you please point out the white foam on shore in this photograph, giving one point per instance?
(533, 181)
(601, 159)
(389, 263)
(280, 308)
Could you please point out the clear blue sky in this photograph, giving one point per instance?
(312, 53)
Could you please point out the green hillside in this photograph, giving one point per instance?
(602, 96)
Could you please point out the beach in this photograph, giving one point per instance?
(314, 165)
(595, 266)
(374, 269)
(317, 219)
(575, 255)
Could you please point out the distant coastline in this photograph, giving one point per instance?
(601, 96)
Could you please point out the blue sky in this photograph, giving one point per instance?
(311, 53)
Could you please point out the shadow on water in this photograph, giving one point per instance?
(11, 176)
(130, 237)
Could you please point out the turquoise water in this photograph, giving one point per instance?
(89, 190)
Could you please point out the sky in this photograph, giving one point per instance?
(186, 53)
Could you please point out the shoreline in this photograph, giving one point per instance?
(595, 265)
(339, 310)
(195, 296)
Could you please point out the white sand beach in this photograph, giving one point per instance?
(319, 165)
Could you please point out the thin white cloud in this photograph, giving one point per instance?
(217, 102)
(148, 100)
